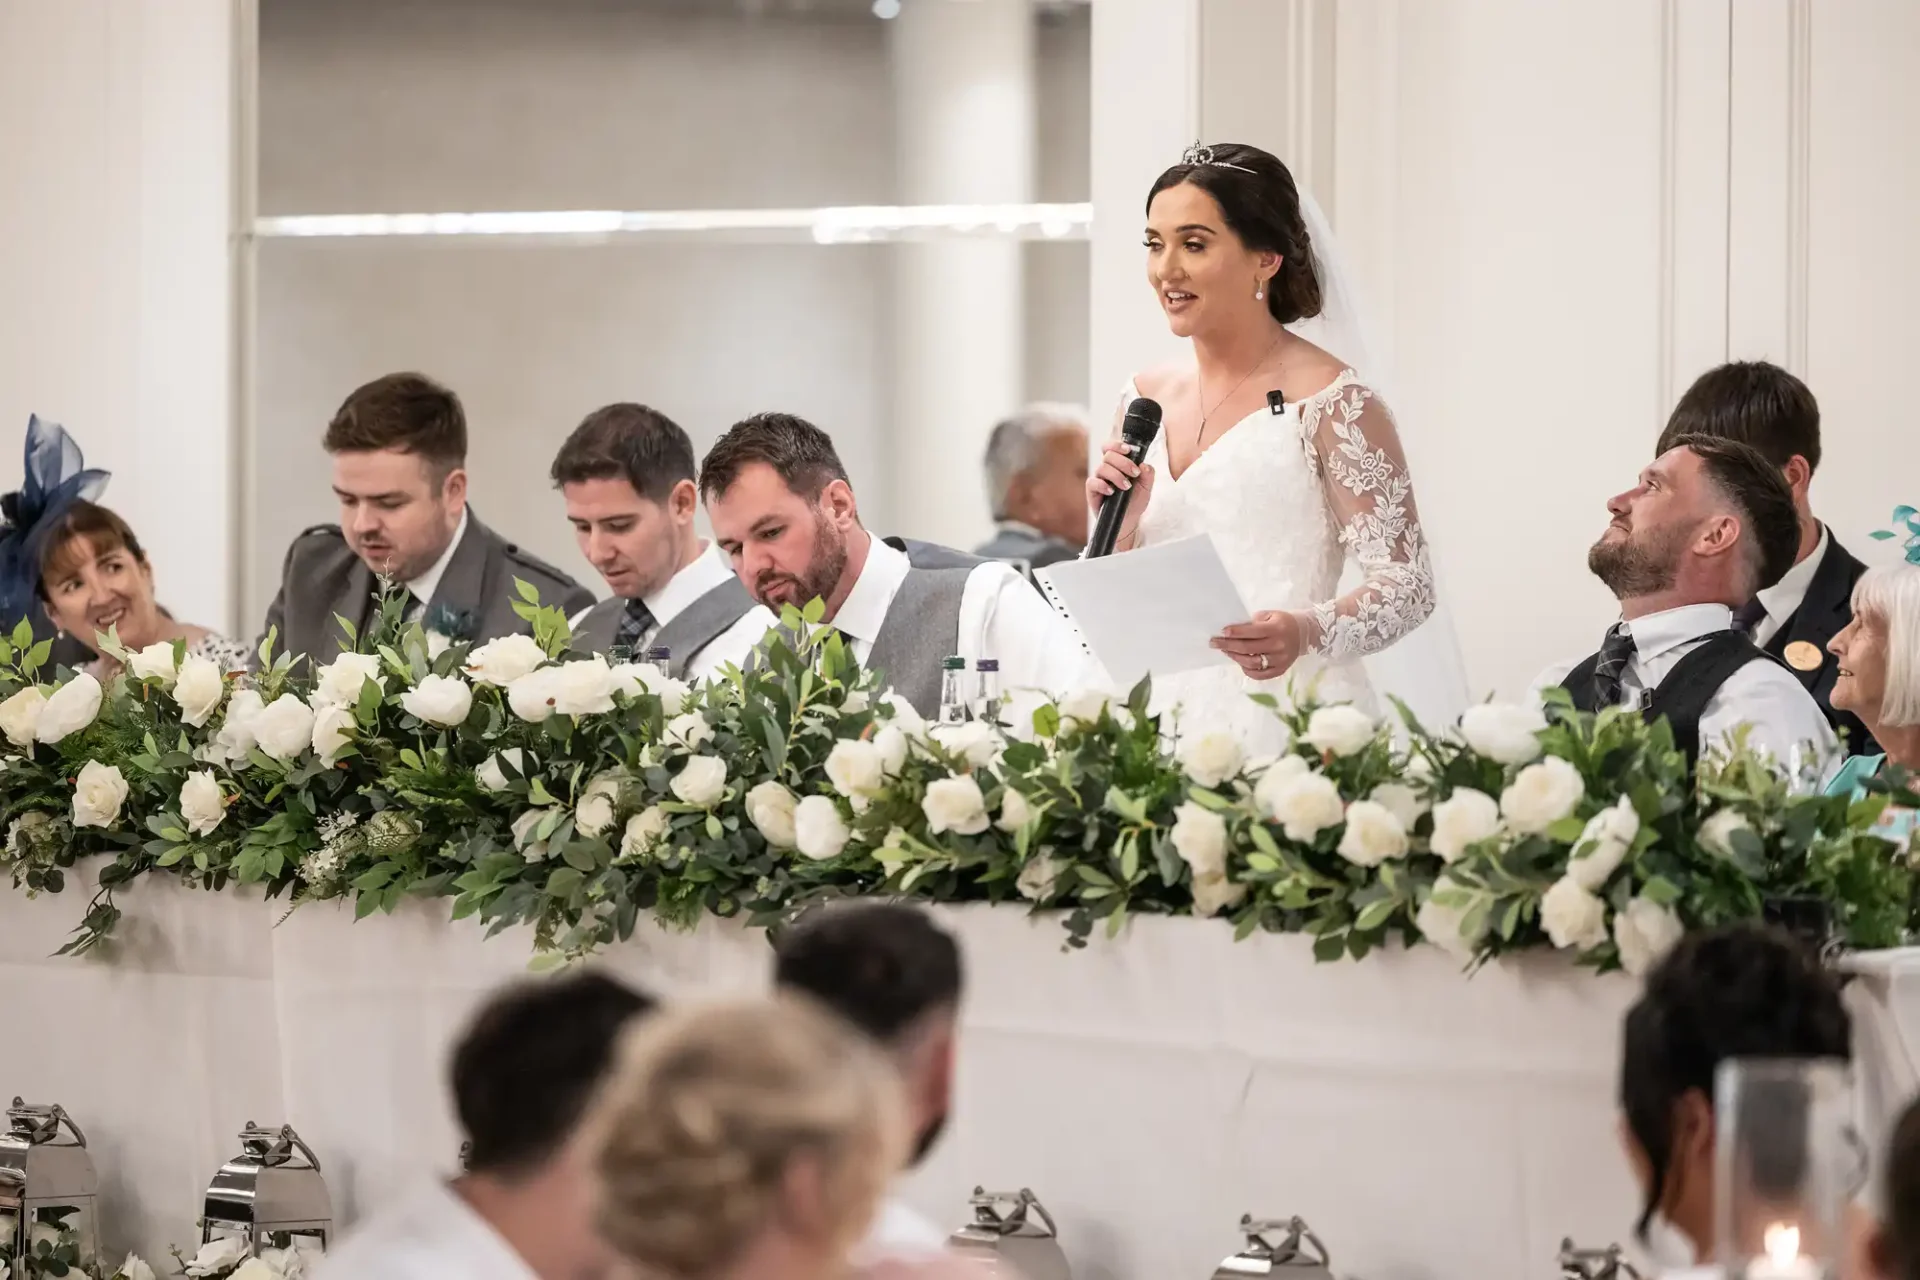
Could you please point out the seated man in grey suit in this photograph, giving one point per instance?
(627, 473)
(783, 512)
(399, 448)
(1036, 467)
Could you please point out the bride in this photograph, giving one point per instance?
(1282, 450)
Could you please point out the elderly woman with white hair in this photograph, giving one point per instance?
(1879, 679)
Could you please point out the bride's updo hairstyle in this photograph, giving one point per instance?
(1261, 204)
(724, 1121)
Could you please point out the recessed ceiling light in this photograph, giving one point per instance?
(886, 8)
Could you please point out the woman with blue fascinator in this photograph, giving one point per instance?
(82, 563)
(1879, 680)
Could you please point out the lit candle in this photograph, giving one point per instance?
(1783, 1260)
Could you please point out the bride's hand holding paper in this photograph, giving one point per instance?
(1267, 647)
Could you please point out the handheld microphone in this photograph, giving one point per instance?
(1136, 433)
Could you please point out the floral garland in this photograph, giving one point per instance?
(53, 1251)
(571, 794)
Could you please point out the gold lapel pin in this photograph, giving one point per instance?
(1802, 656)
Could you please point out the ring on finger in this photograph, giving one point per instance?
(1265, 662)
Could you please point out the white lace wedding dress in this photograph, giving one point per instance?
(1287, 497)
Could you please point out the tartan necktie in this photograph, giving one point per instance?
(1616, 651)
(635, 621)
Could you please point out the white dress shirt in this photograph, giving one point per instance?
(1786, 720)
(899, 1234)
(1784, 597)
(1002, 616)
(708, 570)
(427, 583)
(434, 1235)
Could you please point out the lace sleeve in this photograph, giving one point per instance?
(1350, 438)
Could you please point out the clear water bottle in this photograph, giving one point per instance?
(660, 658)
(986, 698)
(953, 697)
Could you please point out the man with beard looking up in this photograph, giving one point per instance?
(1710, 524)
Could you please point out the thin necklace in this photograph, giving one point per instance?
(1199, 437)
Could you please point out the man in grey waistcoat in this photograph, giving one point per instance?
(627, 474)
(784, 513)
(399, 450)
(1036, 467)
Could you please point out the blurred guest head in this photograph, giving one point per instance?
(746, 1141)
(627, 474)
(1227, 242)
(1755, 403)
(94, 576)
(783, 511)
(1710, 522)
(891, 971)
(1896, 1248)
(1738, 992)
(399, 447)
(1037, 471)
(1879, 656)
(523, 1076)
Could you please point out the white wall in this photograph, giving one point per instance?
(369, 105)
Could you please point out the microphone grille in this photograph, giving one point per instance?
(1142, 421)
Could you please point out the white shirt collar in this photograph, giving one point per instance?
(1786, 595)
(865, 608)
(1656, 633)
(427, 583)
(707, 571)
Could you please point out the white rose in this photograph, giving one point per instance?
(644, 830)
(1307, 804)
(583, 688)
(340, 682)
(256, 1269)
(819, 832)
(893, 745)
(1461, 820)
(500, 662)
(438, 642)
(532, 696)
(1015, 812)
(1082, 708)
(1039, 878)
(525, 828)
(1504, 731)
(332, 732)
(43, 1233)
(1373, 834)
(636, 678)
(135, 1268)
(69, 709)
(955, 804)
(20, 714)
(235, 738)
(492, 777)
(1211, 758)
(1277, 775)
(973, 741)
(855, 702)
(690, 731)
(441, 700)
(98, 793)
(593, 812)
(1214, 894)
(1199, 836)
(1644, 933)
(1573, 917)
(1603, 845)
(1445, 926)
(903, 716)
(198, 690)
(201, 803)
(1543, 794)
(856, 767)
(1405, 803)
(217, 1255)
(1342, 731)
(157, 662)
(702, 782)
(1717, 832)
(283, 728)
(770, 807)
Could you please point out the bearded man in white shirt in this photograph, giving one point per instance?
(627, 474)
(523, 1076)
(893, 972)
(784, 513)
(1710, 524)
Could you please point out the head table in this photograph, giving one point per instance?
(1150, 1090)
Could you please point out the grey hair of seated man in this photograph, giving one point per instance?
(1016, 444)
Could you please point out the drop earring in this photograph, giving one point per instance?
(1259, 293)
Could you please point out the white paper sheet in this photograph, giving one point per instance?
(1150, 610)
